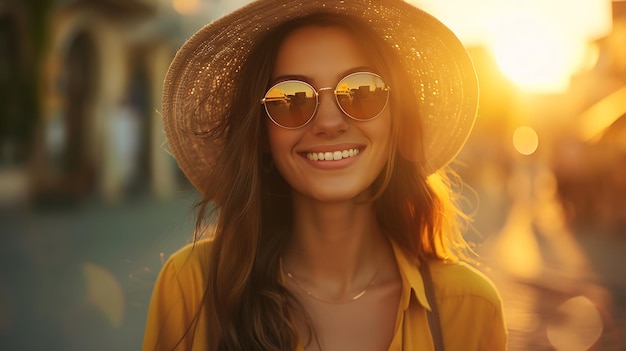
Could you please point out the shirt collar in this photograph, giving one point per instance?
(412, 281)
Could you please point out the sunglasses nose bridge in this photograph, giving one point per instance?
(329, 115)
(332, 90)
(333, 97)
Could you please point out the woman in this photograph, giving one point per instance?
(318, 134)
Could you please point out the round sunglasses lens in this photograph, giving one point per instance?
(290, 104)
(362, 95)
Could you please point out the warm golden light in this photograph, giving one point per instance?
(525, 140)
(465, 18)
(601, 115)
(517, 249)
(186, 7)
(534, 53)
(537, 43)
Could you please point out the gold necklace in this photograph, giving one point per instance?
(309, 294)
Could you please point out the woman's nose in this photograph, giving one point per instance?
(329, 119)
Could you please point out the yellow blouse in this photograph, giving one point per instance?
(470, 307)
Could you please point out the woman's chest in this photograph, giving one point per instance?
(368, 323)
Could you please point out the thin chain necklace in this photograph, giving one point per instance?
(335, 302)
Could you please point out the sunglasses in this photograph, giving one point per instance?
(292, 104)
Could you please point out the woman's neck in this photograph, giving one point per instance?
(338, 246)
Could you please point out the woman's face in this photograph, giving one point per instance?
(321, 56)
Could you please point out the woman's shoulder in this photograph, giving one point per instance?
(186, 269)
(176, 298)
(470, 307)
(460, 279)
(191, 260)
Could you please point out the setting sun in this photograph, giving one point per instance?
(538, 44)
(535, 54)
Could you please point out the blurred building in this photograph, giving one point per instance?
(592, 181)
(590, 161)
(82, 81)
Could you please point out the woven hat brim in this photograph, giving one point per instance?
(197, 86)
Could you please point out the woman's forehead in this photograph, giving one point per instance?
(322, 53)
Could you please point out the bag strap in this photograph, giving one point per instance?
(433, 314)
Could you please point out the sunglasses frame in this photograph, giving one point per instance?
(316, 93)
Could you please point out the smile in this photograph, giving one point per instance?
(332, 156)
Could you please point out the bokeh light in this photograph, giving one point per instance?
(105, 293)
(186, 7)
(579, 326)
(525, 140)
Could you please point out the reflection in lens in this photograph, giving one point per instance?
(362, 95)
(291, 104)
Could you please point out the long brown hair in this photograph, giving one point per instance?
(246, 305)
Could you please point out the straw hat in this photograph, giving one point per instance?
(198, 85)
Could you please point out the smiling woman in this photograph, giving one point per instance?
(323, 160)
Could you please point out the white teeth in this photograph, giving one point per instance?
(332, 156)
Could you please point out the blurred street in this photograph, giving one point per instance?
(79, 277)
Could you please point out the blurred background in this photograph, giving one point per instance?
(91, 203)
